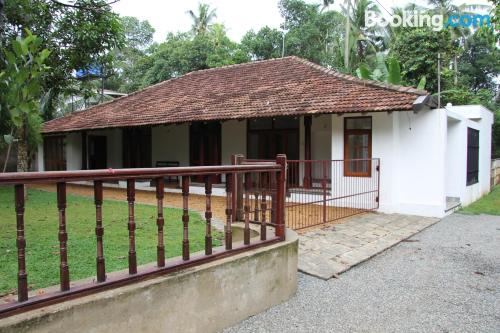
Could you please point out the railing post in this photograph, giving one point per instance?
(99, 232)
(238, 207)
(22, 276)
(246, 235)
(323, 185)
(208, 215)
(307, 182)
(132, 258)
(185, 217)
(63, 237)
(280, 196)
(160, 222)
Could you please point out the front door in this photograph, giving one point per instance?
(205, 146)
(269, 137)
(97, 152)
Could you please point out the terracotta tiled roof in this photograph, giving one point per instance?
(278, 87)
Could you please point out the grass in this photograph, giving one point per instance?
(42, 245)
(489, 204)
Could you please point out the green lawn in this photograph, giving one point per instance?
(489, 204)
(42, 246)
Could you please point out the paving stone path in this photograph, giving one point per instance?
(327, 252)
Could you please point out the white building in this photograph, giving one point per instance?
(430, 159)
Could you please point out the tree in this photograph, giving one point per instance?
(417, 51)
(80, 35)
(479, 63)
(20, 82)
(311, 34)
(364, 40)
(138, 44)
(203, 19)
(265, 44)
(182, 53)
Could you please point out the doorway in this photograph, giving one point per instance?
(205, 147)
(98, 152)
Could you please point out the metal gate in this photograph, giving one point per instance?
(317, 191)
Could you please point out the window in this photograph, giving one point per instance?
(357, 146)
(472, 156)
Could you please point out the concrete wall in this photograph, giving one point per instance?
(459, 119)
(205, 298)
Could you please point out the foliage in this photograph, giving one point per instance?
(20, 83)
(42, 243)
(417, 51)
(78, 36)
(479, 63)
(265, 44)
(489, 204)
(312, 34)
(138, 44)
(181, 53)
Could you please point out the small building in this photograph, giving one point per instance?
(431, 160)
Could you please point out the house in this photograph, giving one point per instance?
(430, 159)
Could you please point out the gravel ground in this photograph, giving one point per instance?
(444, 279)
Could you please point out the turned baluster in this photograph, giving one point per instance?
(256, 209)
(132, 258)
(63, 237)
(99, 232)
(160, 222)
(263, 208)
(227, 228)
(22, 276)
(208, 215)
(246, 234)
(185, 217)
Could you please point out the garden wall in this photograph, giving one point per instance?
(206, 298)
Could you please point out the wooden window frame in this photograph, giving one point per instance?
(273, 130)
(347, 132)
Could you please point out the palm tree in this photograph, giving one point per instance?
(326, 4)
(360, 40)
(458, 34)
(202, 21)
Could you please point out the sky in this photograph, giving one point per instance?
(238, 16)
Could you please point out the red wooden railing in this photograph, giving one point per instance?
(275, 170)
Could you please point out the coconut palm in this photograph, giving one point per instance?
(326, 4)
(203, 19)
(360, 40)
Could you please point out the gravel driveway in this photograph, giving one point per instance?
(444, 279)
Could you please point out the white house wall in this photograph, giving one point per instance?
(171, 143)
(420, 170)
(234, 139)
(411, 162)
(459, 119)
(74, 151)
